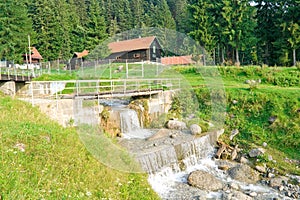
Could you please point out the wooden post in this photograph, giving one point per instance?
(126, 69)
(142, 69)
(109, 64)
(32, 98)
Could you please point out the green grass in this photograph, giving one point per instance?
(277, 95)
(55, 163)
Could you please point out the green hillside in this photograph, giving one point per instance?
(250, 108)
(42, 160)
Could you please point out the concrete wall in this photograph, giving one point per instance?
(70, 112)
(8, 88)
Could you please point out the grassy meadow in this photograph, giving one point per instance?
(42, 160)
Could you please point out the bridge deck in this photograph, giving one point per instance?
(100, 89)
(17, 78)
(112, 94)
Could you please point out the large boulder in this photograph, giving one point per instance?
(204, 181)
(177, 125)
(256, 152)
(195, 129)
(244, 173)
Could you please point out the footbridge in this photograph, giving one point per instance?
(99, 89)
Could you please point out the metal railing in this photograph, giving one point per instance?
(112, 88)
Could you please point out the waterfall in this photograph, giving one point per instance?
(178, 156)
(131, 126)
(129, 121)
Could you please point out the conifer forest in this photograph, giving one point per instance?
(234, 31)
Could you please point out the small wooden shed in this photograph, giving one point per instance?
(139, 49)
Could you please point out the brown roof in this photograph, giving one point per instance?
(35, 54)
(81, 54)
(131, 45)
(177, 60)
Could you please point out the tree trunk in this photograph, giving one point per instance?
(222, 54)
(214, 54)
(237, 59)
(294, 57)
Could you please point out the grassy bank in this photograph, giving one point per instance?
(250, 107)
(42, 160)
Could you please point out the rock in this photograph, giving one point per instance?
(195, 129)
(261, 169)
(233, 133)
(272, 119)
(223, 167)
(248, 81)
(173, 136)
(244, 160)
(265, 144)
(234, 186)
(234, 153)
(253, 194)
(20, 147)
(205, 181)
(256, 152)
(278, 181)
(236, 195)
(270, 158)
(281, 188)
(271, 175)
(162, 133)
(244, 173)
(234, 101)
(177, 125)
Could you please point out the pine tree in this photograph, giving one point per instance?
(268, 30)
(138, 13)
(179, 10)
(96, 29)
(239, 24)
(15, 26)
(202, 28)
(291, 25)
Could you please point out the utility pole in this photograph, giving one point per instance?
(30, 60)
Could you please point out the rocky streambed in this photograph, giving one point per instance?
(185, 166)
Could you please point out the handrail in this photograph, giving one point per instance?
(101, 88)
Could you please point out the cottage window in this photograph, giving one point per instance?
(154, 49)
(137, 55)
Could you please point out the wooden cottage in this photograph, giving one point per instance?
(34, 58)
(139, 49)
(77, 59)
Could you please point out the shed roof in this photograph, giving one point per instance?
(177, 60)
(35, 54)
(81, 54)
(131, 45)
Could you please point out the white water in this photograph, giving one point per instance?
(166, 182)
(130, 125)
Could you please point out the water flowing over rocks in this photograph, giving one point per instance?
(186, 166)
